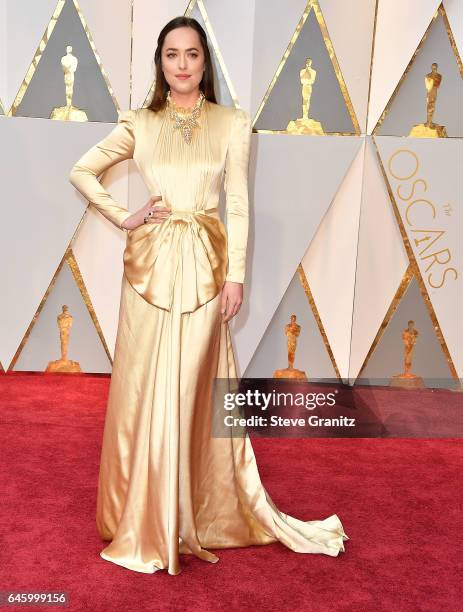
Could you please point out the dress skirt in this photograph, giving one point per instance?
(166, 485)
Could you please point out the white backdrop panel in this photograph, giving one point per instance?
(149, 16)
(3, 76)
(381, 262)
(331, 260)
(293, 179)
(350, 26)
(114, 57)
(287, 206)
(98, 249)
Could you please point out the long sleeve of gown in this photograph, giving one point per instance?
(236, 191)
(117, 146)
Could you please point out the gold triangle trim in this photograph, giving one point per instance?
(36, 316)
(316, 314)
(215, 49)
(312, 4)
(72, 263)
(401, 291)
(416, 272)
(440, 11)
(41, 48)
(373, 40)
(149, 94)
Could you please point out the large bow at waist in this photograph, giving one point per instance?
(189, 247)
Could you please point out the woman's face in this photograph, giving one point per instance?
(182, 54)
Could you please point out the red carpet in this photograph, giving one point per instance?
(400, 501)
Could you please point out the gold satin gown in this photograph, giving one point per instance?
(166, 485)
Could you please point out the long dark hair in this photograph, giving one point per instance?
(161, 88)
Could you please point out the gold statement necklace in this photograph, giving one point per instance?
(185, 118)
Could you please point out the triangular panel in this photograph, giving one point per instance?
(387, 359)
(43, 89)
(308, 74)
(311, 353)
(406, 22)
(41, 343)
(412, 107)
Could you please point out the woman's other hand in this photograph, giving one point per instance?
(231, 300)
(152, 210)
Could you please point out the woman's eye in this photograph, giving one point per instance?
(195, 55)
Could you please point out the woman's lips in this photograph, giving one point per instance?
(183, 78)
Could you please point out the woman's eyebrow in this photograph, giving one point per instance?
(174, 49)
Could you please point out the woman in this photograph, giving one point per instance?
(166, 485)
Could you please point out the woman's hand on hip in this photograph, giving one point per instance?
(152, 211)
(231, 300)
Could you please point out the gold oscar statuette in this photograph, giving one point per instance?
(408, 380)
(64, 364)
(69, 113)
(430, 129)
(292, 331)
(304, 124)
